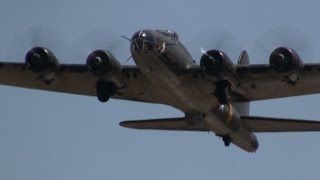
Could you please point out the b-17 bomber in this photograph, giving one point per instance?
(214, 94)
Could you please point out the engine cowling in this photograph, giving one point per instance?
(101, 62)
(216, 62)
(285, 60)
(41, 60)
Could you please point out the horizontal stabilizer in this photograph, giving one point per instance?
(265, 124)
(250, 123)
(178, 124)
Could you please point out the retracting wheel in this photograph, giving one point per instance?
(105, 90)
(226, 140)
(222, 91)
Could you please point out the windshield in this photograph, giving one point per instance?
(169, 33)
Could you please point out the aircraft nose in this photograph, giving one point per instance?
(143, 42)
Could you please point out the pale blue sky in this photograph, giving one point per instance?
(51, 136)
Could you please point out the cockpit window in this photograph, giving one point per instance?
(169, 33)
(173, 34)
(143, 41)
(143, 34)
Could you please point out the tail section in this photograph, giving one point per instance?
(243, 108)
(243, 58)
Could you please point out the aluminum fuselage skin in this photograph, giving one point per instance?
(163, 59)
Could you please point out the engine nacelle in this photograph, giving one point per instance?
(285, 60)
(101, 62)
(216, 62)
(41, 60)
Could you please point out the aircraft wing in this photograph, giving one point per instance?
(76, 79)
(251, 123)
(259, 82)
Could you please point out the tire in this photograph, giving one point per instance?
(222, 95)
(222, 92)
(105, 90)
(226, 140)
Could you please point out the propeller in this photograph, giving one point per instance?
(217, 39)
(23, 41)
(290, 37)
(84, 44)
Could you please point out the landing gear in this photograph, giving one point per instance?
(222, 91)
(227, 140)
(105, 90)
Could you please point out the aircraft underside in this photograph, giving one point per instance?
(214, 95)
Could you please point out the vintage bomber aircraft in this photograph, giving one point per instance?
(214, 95)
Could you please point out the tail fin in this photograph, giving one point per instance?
(243, 108)
(243, 58)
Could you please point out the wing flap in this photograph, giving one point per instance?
(177, 124)
(265, 124)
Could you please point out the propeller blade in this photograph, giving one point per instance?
(214, 39)
(290, 37)
(42, 36)
(85, 43)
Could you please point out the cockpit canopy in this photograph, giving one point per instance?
(169, 33)
(143, 41)
(143, 34)
(147, 41)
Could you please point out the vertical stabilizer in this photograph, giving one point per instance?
(243, 108)
(244, 58)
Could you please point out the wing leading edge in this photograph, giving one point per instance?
(251, 123)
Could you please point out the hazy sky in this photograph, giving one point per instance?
(45, 135)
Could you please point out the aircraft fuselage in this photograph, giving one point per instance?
(163, 59)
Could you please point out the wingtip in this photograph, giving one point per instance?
(124, 124)
(128, 124)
